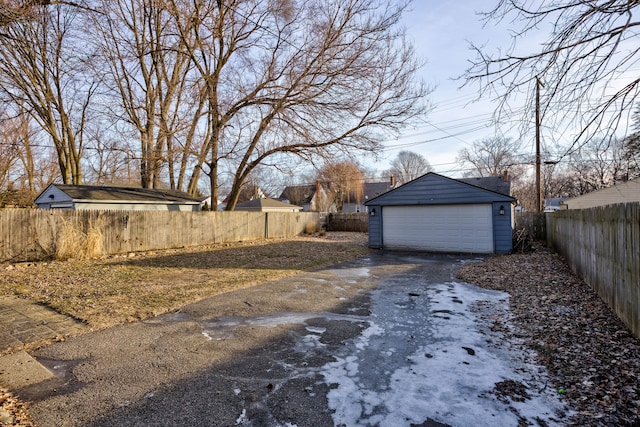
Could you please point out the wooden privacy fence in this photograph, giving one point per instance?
(602, 246)
(36, 234)
(533, 222)
(357, 221)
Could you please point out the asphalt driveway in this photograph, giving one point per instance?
(387, 340)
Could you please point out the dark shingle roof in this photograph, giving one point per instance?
(374, 189)
(105, 193)
(298, 193)
(306, 192)
(265, 203)
(493, 183)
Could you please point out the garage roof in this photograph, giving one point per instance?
(263, 204)
(435, 189)
(94, 193)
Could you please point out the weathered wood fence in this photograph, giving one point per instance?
(534, 222)
(357, 221)
(602, 246)
(35, 234)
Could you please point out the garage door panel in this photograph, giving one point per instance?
(457, 228)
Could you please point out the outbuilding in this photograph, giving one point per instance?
(83, 197)
(265, 204)
(440, 214)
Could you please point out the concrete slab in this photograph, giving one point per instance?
(20, 370)
(391, 339)
(24, 322)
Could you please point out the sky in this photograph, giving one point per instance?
(441, 31)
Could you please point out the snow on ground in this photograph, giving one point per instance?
(432, 354)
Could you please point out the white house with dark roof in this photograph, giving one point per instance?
(82, 197)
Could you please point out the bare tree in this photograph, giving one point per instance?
(408, 166)
(305, 79)
(43, 72)
(25, 163)
(148, 69)
(492, 157)
(587, 63)
(9, 135)
(632, 148)
(344, 181)
(109, 160)
(19, 10)
(596, 165)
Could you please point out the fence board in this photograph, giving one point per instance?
(534, 222)
(601, 245)
(33, 234)
(355, 221)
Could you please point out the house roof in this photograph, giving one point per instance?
(303, 193)
(306, 192)
(374, 189)
(122, 194)
(555, 201)
(434, 189)
(266, 203)
(624, 192)
(493, 183)
(248, 192)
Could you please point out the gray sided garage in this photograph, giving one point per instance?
(439, 214)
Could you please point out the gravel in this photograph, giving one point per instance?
(592, 358)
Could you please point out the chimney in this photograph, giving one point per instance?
(392, 181)
(505, 176)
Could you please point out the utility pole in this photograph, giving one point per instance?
(538, 159)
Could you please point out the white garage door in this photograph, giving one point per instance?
(441, 228)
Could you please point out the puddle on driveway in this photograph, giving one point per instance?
(222, 327)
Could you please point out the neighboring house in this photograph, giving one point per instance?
(82, 197)
(554, 204)
(312, 198)
(440, 214)
(316, 198)
(248, 192)
(370, 190)
(624, 192)
(267, 205)
(498, 184)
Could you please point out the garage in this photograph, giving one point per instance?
(446, 228)
(439, 214)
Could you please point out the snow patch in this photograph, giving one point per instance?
(452, 379)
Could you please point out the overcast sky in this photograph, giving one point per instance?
(441, 31)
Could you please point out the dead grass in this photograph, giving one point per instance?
(311, 227)
(108, 291)
(74, 243)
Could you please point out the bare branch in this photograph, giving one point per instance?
(588, 64)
